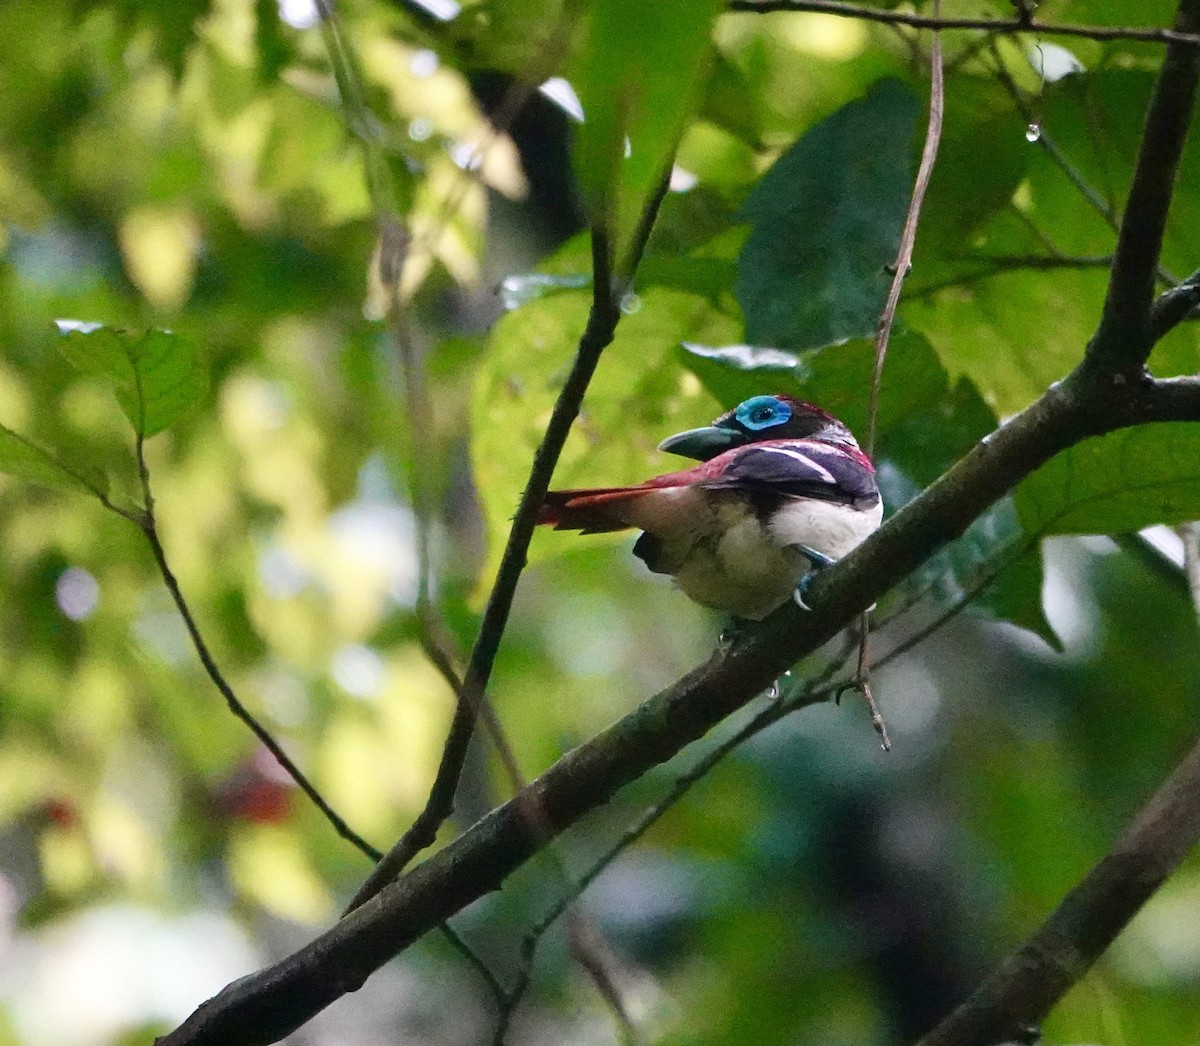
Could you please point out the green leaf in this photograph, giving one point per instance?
(26, 460)
(826, 222)
(273, 49)
(987, 319)
(1123, 481)
(638, 75)
(1016, 596)
(156, 376)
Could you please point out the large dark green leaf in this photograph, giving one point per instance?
(1000, 316)
(970, 185)
(156, 375)
(826, 222)
(1120, 482)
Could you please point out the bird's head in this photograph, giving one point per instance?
(756, 419)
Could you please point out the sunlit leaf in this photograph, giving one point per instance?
(638, 77)
(636, 399)
(22, 458)
(156, 375)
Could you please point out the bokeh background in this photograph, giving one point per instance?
(191, 167)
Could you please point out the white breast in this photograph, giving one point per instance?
(723, 557)
(824, 526)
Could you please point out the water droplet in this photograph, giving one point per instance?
(1033, 132)
(773, 691)
(630, 304)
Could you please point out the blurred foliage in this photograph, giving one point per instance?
(185, 178)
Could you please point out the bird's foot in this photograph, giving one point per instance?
(818, 561)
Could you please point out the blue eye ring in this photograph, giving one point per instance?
(762, 412)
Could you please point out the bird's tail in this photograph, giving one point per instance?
(595, 511)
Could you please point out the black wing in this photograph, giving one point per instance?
(810, 470)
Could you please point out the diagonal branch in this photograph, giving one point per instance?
(1125, 336)
(147, 522)
(1172, 307)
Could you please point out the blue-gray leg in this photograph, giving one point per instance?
(818, 561)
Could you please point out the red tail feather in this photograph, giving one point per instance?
(593, 511)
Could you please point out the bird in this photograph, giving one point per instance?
(783, 490)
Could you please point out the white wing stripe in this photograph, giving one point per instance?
(821, 471)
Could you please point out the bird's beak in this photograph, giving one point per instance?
(703, 444)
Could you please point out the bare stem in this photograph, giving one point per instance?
(148, 524)
(988, 25)
(902, 264)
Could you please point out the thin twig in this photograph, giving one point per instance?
(988, 25)
(459, 944)
(902, 264)
(814, 690)
(1007, 559)
(148, 524)
(268, 1005)
(1099, 203)
(1125, 334)
(394, 248)
(774, 712)
(1172, 307)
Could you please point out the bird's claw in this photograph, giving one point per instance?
(818, 561)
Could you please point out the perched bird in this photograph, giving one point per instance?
(783, 490)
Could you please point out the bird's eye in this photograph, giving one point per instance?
(763, 412)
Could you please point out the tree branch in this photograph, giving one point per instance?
(1171, 308)
(599, 331)
(1125, 336)
(1031, 980)
(147, 523)
(1188, 37)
